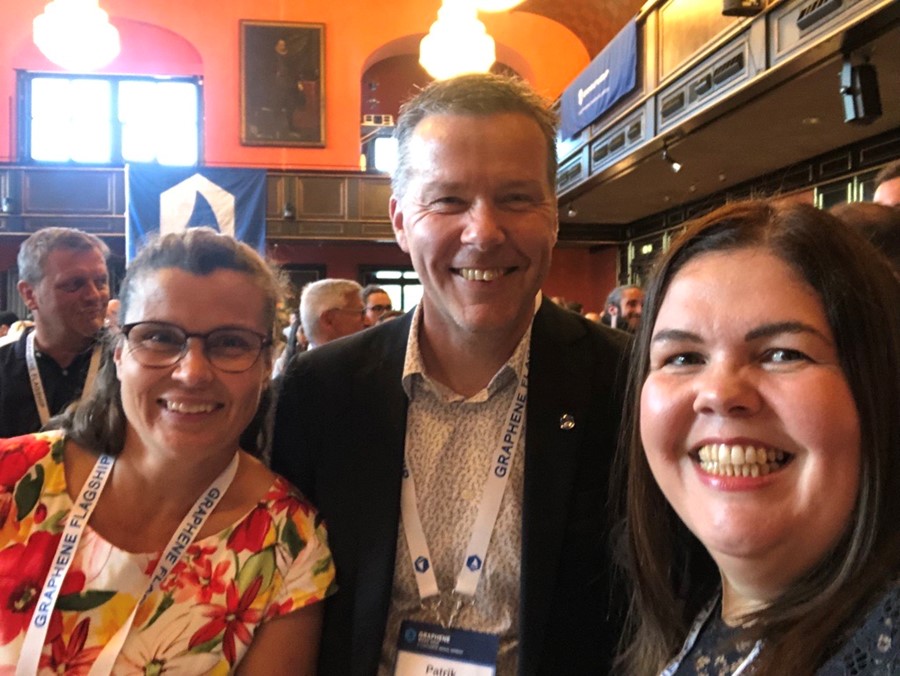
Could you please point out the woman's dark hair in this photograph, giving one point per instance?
(671, 573)
(98, 422)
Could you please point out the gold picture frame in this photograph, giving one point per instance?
(282, 84)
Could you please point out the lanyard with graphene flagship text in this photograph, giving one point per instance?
(37, 387)
(76, 522)
(485, 520)
(673, 666)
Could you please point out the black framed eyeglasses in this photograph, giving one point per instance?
(380, 309)
(160, 344)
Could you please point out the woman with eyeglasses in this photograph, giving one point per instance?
(139, 537)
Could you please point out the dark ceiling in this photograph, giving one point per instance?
(769, 128)
(595, 22)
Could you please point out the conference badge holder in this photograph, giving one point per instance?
(432, 650)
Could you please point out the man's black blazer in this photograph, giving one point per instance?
(339, 435)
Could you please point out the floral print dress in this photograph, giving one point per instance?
(202, 618)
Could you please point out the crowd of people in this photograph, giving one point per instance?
(703, 480)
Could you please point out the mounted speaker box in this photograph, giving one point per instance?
(859, 93)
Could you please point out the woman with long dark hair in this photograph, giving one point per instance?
(763, 465)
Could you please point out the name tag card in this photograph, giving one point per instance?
(432, 650)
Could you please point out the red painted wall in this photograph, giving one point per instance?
(202, 37)
(182, 37)
(583, 275)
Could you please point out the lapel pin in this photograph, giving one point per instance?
(567, 422)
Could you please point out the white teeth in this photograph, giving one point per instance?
(182, 407)
(740, 461)
(480, 274)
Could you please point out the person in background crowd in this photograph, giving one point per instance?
(64, 283)
(887, 185)
(7, 319)
(879, 224)
(484, 379)
(331, 309)
(16, 329)
(623, 308)
(152, 457)
(389, 315)
(762, 473)
(592, 316)
(377, 302)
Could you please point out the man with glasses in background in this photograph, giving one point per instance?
(331, 309)
(377, 302)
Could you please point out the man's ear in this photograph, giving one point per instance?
(27, 292)
(612, 310)
(396, 213)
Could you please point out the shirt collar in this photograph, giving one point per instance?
(414, 366)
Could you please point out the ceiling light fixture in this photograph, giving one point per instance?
(673, 163)
(571, 212)
(76, 35)
(457, 43)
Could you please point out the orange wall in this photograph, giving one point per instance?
(209, 30)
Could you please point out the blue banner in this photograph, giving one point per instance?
(164, 200)
(609, 77)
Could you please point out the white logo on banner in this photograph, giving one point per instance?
(176, 205)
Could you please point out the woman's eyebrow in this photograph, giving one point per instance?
(676, 334)
(777, 328)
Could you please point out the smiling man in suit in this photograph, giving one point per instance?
(460, 455)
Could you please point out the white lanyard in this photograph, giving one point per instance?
(75, 524)
(485, 520)
(673, 666)
(37, 387)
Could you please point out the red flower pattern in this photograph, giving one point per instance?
(204, 578)
(23, 569)
(72, 659)
(250, 534)
(232, 618)
(19, 456)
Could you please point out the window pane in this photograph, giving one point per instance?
(73, 119)
(47, 97)
(50, 140)
(412, 294)
(91, 141)
(91, 100)
(135, 100)
(137, 144)
(160, 122)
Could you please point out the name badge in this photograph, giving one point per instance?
(432, 650)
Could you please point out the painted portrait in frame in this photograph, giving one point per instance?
(282, 84)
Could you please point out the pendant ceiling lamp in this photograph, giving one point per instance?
(457, 43)
(497, 5)
(76, 35)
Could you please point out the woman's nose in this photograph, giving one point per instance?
(726, 389)
(194, 366)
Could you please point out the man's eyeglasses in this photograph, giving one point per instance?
(160, 344)
(380, 309)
